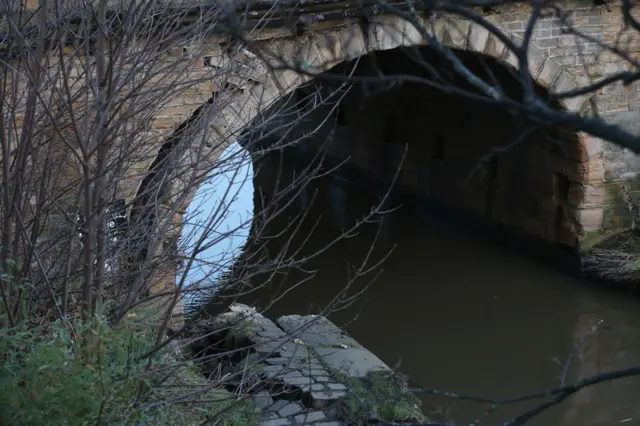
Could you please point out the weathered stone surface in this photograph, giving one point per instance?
(316, 330)
(313, 372)
(298, 381)
(336, 386)
(276, 422)
(262, 400)
(276, 406)
(313, 387)
(549, 72)
(309, 417)
(290, 409)
(591, 218)
(355, 362)
(323, 399)
(299, 390)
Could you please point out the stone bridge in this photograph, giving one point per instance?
(567, 189)
(562, 200)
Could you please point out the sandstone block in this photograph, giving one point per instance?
(312, 416)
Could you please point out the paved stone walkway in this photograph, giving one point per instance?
(297, 357)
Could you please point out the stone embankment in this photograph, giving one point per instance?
(300, 370)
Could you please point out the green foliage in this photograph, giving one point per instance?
(48, 378)
(382, 395)
(616, 210)
(95, 376)
(593, 239)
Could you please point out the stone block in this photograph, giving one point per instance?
(478, 36)
(353, 41)
(388, 33)
(316, 330)
(290, 409)
(576, 194)
(594, 146)
(508, 56)
(270, 416)
(296, 353)
(273, 371)
(575, 104)
(549, 72)
(297, 381)
(438, 29)
(535, 59)
(322, 399)
(355, 362)
(326, 51)
(279, 360)
(457, 33)
(262, 400)
(277, 405)
(591, 219)
(313, 387)
(494, 47)
(336, 386)
(310, 417)
(315, 372)
(276, 422)
(563, 83)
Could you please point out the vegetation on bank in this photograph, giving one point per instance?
(613, 254)
(614, 257)
(64, 374)
(382, 397)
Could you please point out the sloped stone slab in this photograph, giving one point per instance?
(316, 330)
(354, 362)
(325, 398)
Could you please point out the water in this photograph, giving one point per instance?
(453, 311)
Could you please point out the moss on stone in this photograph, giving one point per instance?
(380, 395)
(616, 210)
(593, 239)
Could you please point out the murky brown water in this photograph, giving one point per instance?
(459, 313)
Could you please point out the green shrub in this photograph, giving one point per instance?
(50, 377)
(383, 396)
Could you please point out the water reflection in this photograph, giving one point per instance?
(460, 313)
(219, 219)
(338, 194)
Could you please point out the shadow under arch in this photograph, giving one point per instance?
(483, 162)
(527, 196)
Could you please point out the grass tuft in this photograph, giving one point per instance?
(57, 376)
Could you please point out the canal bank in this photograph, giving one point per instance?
(300, 370)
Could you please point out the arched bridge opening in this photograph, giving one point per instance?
(397, 117)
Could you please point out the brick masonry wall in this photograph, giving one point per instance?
(588, 62)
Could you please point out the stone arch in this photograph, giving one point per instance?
(254, 89)
(533, 189)
(321, 50)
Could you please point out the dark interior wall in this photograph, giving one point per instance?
(441, 143)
